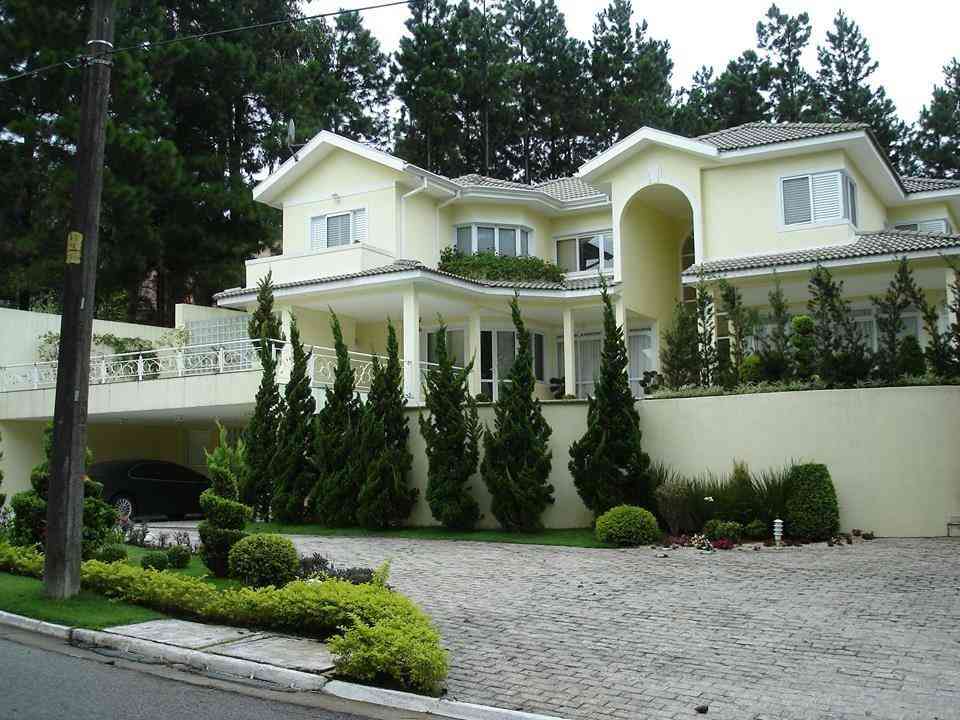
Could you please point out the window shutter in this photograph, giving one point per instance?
(360, 225)
(827, 197)
(932, 226)
(796, 201)
(338, 230)
(318, 233)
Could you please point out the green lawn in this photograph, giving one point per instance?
(573, 537)
(24, 596)
(196, 568)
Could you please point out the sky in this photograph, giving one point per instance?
(911, 41)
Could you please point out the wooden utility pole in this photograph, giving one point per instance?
(61, 573)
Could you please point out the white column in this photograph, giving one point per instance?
(620, 314)
(473, 351)
(569, 354)
(411, 343)
(951, 279)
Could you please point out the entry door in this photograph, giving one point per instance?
(640, 352)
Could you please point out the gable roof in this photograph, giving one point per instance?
(879, 244)
(755, 134)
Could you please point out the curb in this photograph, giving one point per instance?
(291, 679)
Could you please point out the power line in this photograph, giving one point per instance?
(83, 59)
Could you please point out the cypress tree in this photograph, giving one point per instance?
(709, 365)
(336, 456)
(743, 320)
(936, 143)
(774, 351)
(841, 356)
(293, 470)
(516, 456)
(224, 515)
(680, 354)
(451, 432)
(888, 311)
(608, 465)
(264, 322)
(386, 498)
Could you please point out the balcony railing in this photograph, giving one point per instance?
(175, 362)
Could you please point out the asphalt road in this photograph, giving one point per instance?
(44, 684)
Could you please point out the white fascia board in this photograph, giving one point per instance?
(638, 140)
(835, 263)
(268, 189)
(931, 195)
(401, 278)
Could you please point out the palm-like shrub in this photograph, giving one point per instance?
(608, 465)
(336, 456)
(516, 458)
(225, 515)
(451, 431)
(386, 497)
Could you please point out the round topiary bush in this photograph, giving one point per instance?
(261, 560)
(178, 556)
(155, 561)
(627, 525)
(111, 553)
(812, 510)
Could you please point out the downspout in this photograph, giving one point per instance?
(403, 218)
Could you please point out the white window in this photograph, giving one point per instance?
(498, 352)
(589, 349)
(510, 240)
(584, 253)
(867, 324)
(828, 197)
(937, 225)
(338, 229)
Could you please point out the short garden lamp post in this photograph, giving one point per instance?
(777, 531)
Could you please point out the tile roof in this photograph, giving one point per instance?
(867, 244)
(761, 133)
(925, 184)
(564, 189)
(586, 283)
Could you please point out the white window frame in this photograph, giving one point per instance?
(496, 380)
(354, 240)
(917, 222)
(608, 232)
(597, 334)
(869, 313)
(497, 227)
(845, 215)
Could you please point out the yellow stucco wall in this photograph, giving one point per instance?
(422, 236)
(922, 211)
(871, 212)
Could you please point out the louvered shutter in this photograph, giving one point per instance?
(827, 197)
(359, 225)
(318, 233)
(796, 201)
(338, 230)
(932, 226)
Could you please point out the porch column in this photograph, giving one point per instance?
(569, 357)
(473, 352)
(620, 314)
(950, 282)
(411, 344)
(286, 313)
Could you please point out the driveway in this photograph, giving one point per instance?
(871, 630)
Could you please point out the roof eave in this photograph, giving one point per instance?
(637, 141)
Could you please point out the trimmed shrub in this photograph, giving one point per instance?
(179, 556)
(627, 525)
(111, 553)
(155, 561)
(225, 516)
(723, 530)
(736, 499)
(490, 266)
(261, 560)
(756, 530)
(751, 370)
(812, 510)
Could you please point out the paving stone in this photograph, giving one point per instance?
(294, 653)
(182, 633)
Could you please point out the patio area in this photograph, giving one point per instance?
(870, 630)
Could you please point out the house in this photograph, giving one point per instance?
(363, 234)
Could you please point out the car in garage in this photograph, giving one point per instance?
(145, 488)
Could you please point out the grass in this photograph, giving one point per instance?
(196, 568)
(572, 537)
(24, 596)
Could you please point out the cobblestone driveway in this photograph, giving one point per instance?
(871, 630)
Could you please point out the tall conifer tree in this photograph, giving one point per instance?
(783, 39)
(936, 143)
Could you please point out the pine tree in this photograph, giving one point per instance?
(738, 97)
(680, 352)
(742, 321)
(336, 459)
(936, 143)
(783, 39)
(427, 85)
(888, 311)
(295, 438)
(774, 349)
(631, 74)
(516, 458)
(608, 465)
(451, 432)
(841, 356)
(224, 515)
(942, 356)
(843, 90)
(259, 480)
(709, 364)
(696, 113)
(386, 498)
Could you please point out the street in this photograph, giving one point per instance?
(45, 684)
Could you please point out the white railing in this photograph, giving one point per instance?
(323, 367)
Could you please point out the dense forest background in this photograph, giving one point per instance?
(507, 93)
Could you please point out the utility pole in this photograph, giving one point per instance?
(61, 573)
